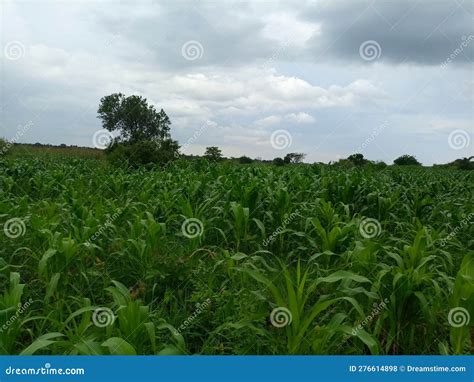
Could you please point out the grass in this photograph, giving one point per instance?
(102, 260)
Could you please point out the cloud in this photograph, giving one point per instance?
(263, 66)
(268, 121)
(407, 31)
(300, 117)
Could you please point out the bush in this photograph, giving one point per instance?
(146, 153)
(407, 160)
(294, 158)
(278, 162)
(245, 160)
(464, 163)
(379, 165)
(3, 147)
(344, 163)
(357, 159)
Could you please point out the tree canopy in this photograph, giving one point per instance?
(407, 160)
(213, 153)
(357, 159)
(294, 157)
(134, 119)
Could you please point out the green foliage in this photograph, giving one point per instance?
(465, 163)
(213, 153)
(245, 160)
(133, 118)
(144, 134)
(101, 238)
(147, 153)
(294, 158)
(406, 160)
(379, 165)
(357, 159)
(278, 162)
(3, 147)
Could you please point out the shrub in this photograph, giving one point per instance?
(464, 163)
(245, 160)
(294, 158)
(4, 146)
(278, 162)
(357, 159)
(146, 153)
(380, 165)
(407, 160)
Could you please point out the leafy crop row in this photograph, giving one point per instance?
(225, 259)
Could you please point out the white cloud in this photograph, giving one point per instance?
(288, 29)
(300, 117)
(75, 54)
(268, 121)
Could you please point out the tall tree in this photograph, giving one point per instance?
(213, 153)
(134, 119)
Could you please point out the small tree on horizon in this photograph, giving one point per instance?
(294, 157)
(245, 160)
(213, 153)
(357, 159)
(278, 162)
(406, 160)
(464, 163)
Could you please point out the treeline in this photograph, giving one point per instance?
(142, 138)
(143, 154)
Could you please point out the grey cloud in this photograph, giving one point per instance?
(247, 72)
(407, 31)
(229, 34)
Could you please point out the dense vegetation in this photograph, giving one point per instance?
(220, 258)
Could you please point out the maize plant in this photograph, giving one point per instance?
(221, 258)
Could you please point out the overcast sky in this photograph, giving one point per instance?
(327, 78)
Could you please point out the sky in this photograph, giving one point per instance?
(262, 79)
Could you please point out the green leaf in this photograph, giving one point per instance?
(343, 275)
(41, 342)
(118, 346)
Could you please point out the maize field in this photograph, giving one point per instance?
(221, 258)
